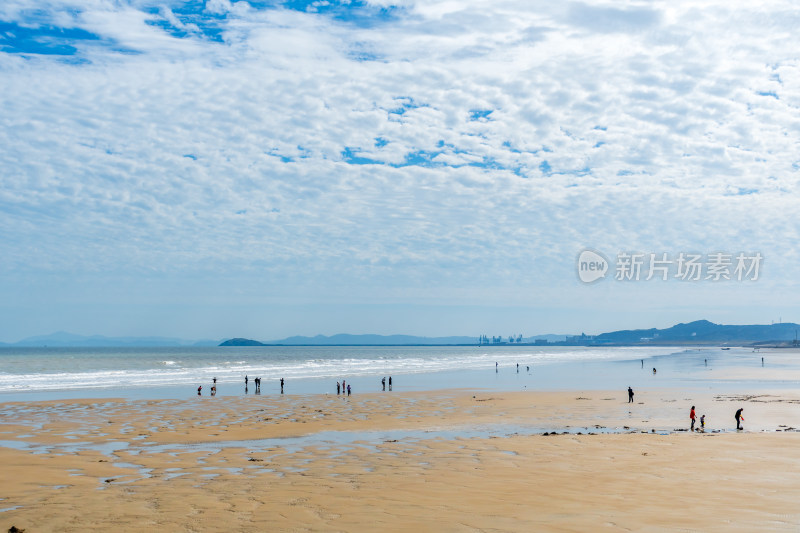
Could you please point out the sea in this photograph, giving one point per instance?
(34, 374)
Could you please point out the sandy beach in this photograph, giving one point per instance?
(430, 461)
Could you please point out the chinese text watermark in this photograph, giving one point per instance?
(683, 266)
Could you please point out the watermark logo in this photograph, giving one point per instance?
(683, 266)
(592, 266)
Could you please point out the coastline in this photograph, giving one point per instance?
(445, 460)
(176, 374)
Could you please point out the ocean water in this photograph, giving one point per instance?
(154, 373)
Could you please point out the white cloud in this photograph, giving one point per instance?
(652, 127)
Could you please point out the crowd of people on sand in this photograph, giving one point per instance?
(341, 388)
(346, 389)
(693, 416)
(692, 413)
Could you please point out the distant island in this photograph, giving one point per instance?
(698, 332)
(242, 342)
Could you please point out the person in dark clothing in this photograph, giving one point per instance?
(739, 418)
(337, 388)
(630, 395)
(281, 385)
(383, 383)
(390, 382)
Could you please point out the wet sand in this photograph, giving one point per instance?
(431, 461)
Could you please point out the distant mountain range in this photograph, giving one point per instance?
(700, 331)
(356, 340)
(62, 339)
(697, 332)
(345, 339)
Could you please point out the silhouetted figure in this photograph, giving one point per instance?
(693, 417)
(245, 382)
(383, 383)
(703, 423)
(654, 370)
(390, 382)
(630, 395)
(705, 361)
(527, 368)
(739, 418)
(215, 381)
(348, 390)
(281, 385)
(642, 363)
(199, 390)
(517, 368)
(762, 361)
(338, 388)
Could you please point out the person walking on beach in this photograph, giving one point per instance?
(630, 395)
(245, 381)
(693, 417)
(348, 390)
(703, 423)
(337, 388)
(383, 383)
(281, 385)
(739, 418)
(390, 382)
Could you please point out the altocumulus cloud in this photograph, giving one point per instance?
(393, 146)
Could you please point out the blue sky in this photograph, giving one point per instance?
(210, 169)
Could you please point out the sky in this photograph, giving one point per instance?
(214, 169)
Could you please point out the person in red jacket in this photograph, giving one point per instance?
(693, 417)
